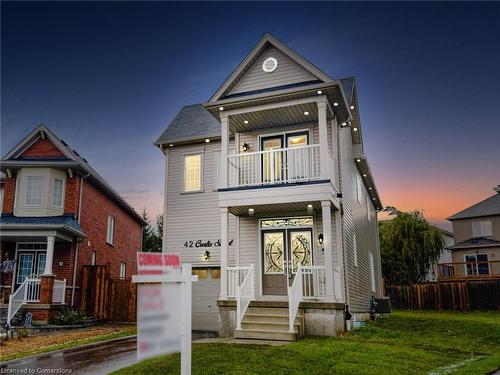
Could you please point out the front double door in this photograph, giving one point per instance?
(283, 251)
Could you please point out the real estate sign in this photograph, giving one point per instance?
(164, 307)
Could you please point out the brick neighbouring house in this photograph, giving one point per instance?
(58, 215)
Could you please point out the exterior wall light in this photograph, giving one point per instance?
(206, 255)
(320, 238)
(245, 147)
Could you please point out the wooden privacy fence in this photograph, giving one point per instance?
(107, 298)
(456, 295)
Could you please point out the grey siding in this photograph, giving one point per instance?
(287, 72)
(355, 222)
(195, 216)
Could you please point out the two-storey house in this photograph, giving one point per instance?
(269, 195)
(476, 252)
(58, 214)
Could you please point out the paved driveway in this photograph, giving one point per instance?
(97, 358)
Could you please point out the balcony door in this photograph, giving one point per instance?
(280, 164)
(283, 250)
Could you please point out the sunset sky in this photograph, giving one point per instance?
(108, 78)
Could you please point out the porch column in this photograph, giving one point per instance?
(225, 150)
(224, 234)
(328, 248)
(50, 255)
(323, 140)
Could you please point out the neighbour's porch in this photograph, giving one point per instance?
(469, 270)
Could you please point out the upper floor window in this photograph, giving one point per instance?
(192, 172)
(57, 199)
(110, 234)
(34, 190)
(481, 229)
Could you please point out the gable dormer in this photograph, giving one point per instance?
(271, 65)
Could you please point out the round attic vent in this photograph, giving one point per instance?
(269, 65)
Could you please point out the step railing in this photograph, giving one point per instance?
(313, 282)
(235, 277)
(16, 300)
(284, 165)
(59, 293)
(245, 293)
(295, 295)
(33, 290)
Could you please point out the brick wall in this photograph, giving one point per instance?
(94, 220)
(71, 195)
(8, 195)
(42, 148)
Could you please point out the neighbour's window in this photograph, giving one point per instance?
(481, 228)
(355, 249)
(372, 270)
(477, 264)
(192, 172)
(34, 190)
(57, 199)
(123, 267)
(110, 234)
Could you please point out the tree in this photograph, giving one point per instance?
(409, 245)
(151, 242)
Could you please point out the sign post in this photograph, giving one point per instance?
(164, 307)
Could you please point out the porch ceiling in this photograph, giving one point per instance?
(272, 210)
(270, 118)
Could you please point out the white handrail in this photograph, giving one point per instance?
(283, 165)
(58, 295)
(244, 294)
(294, 298)
(16, 300)
(235, 277)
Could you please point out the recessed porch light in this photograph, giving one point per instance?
(355, 129)
(364, 175)
(171, 145)
(207, 140)
(335, 104)
(251, 211)
(221, 108)
(306, 113)
(358, 160)
(245, 122)
(309, 206)
(352, 107)
(320, 92)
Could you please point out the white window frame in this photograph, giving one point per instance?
(123, 270)
(184, 156)
(42, 193)
(485, 228)
(355, 249)
(476, 272)
(110, 231)
(54, 192)
(371, 261)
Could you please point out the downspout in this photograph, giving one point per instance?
(77, 243)
(164, 236)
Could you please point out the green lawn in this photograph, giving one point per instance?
(403, 343)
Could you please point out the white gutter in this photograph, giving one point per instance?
(77, 243)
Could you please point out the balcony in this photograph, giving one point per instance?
(278, 166)
(480, 270)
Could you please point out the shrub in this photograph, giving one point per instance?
(68, 316)
(22, 333)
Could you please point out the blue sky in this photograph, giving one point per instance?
(108, 78)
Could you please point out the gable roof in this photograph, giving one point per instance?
(192, 122)
(266, 41)
(488, 207)
(70, 159)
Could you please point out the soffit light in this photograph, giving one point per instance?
(245, 122)
(309, 206)
(207, 140)
(358, 160)
(221, 108)
(171, 145)
(344, 123)
(355, 129)
(306, 113)
(335, 104)
(352, 107)
(251, 211)
(320, 92)
(370, 188)
(364, 175)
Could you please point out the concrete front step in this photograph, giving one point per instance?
(269, 311)
(268, 326)
(258, 334)
(251, 317)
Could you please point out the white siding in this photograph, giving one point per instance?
(287, 72)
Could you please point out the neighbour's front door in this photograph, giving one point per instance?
(29, 265)
(283, 251)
